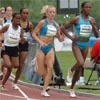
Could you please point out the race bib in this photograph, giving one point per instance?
(85, 30)
(13, 38)
(51, 30)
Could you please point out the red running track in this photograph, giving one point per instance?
(27, 92)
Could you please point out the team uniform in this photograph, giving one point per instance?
(50, 31)
(11, 41)
(24, 47)
(83, 30)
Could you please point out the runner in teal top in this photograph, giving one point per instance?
(50, 31)
(44, 34)
(84, 25)
(83, 30)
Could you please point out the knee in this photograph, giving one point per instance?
(16, 66)
(49, 72)
(50, 69)
(9, 69)
(41, 73)
(9, 66)
(50, 66)
(80, 64)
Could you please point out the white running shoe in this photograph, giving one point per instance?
(69, 76)
(3, 88)
(45, 94)
(68, 83)
(80, 83)
(15, 87)
(72, 93)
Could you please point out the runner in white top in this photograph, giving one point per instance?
(13, 34)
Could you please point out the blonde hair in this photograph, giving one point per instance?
(51, 6)
(44, 9)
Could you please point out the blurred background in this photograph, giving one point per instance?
(35, 16)
(36, 5)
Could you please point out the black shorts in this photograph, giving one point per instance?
(23, 47)
(10, 51)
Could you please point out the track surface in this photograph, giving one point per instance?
(33, 93)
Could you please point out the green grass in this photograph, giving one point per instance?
(67, 60)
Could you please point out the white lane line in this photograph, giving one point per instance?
(11, 95)
(20, 97)
(25, 96)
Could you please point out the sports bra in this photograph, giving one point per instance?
(83, 28)
(48, 30)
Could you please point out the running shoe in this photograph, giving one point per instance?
(72, 93)
(80, 82)
(3, 89)
(14, 86)
(45, 94)
(70, 75)
(68, 83)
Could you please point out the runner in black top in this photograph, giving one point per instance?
(23, 48)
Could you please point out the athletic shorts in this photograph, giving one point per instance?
(82, 45)
(46, 49)
(23, 47)
(10, 51)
